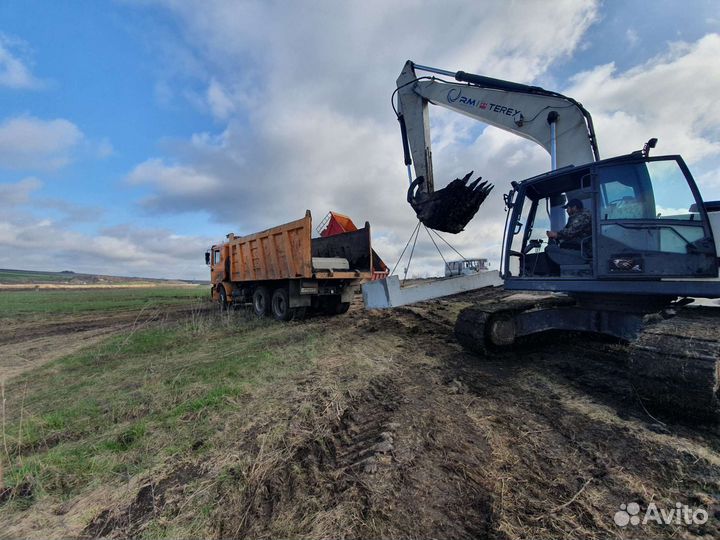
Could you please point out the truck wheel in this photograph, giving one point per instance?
(333, 306)
(261, 301)
(222, 295)
(281, 305)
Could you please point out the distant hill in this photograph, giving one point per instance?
(33, 277)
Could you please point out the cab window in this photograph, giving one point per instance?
(656, 192)
(652, 190)
(673, 197)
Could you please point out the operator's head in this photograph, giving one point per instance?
(573, 206)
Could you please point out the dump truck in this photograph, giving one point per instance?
(285, 272)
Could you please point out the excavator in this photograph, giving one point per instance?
(650, 249)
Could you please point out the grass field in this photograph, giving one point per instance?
(41, 301)
(145, 397)
(136, 401)
(20, 276)
(146, 413)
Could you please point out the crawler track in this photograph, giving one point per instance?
(675, 365)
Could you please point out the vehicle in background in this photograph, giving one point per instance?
(284, 272)
(465, 267)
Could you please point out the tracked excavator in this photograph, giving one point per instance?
(650, 249)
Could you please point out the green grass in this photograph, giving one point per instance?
(139, 399)
(39, 301)
(19, 276)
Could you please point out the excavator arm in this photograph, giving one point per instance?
(557, 123)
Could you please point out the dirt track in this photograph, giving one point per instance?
(426, 440)
(546, 442)
(31, 342)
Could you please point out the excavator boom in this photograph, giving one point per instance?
(557, 123)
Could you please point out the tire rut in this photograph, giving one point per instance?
(326, 469)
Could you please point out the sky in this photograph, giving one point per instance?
(136, 133)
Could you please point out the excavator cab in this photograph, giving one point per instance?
(647, 222)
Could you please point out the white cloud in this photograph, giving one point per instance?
(173, 180)
(104, 149)
(710, 181)
(672, 97)
(14, 73)
(305, 88)
(347, 54)
(125, 250)
(632, 37)
(47, 243)
(302, 91)
(220, 102)
(18, 193)
(31, 143)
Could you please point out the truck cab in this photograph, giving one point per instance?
(216, 258)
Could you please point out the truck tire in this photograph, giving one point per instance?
(261, 301)
(333, 306)
(281, 305)
(222, 299)
(342, 307)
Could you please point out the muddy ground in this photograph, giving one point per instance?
(399, 433)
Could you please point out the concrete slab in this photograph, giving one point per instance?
(387, 293)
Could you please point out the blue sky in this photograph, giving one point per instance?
(97, 64)
(135, 133)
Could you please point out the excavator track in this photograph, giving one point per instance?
(675, 365)
(486, 327)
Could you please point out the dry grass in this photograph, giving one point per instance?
(369, 425)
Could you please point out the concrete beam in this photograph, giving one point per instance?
(387, 293)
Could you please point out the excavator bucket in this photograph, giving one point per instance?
(451, 208)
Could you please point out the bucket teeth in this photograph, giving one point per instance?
(449, 209)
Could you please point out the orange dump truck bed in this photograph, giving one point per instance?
(282, 252)
(285, 262)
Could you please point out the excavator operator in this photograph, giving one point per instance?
(568, 243)
(579, 226)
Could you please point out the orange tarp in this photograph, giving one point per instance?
(338, 223)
